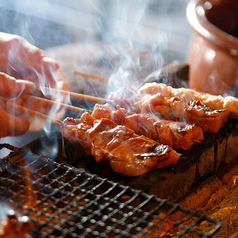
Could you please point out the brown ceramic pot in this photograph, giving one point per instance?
(213, 53)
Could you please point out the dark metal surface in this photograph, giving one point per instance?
(63, 201)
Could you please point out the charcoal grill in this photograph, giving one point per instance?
(61, 200)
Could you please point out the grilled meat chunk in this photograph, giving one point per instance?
(209, 120)
(175, 134)
(129, 154)
(213, 101)
(196, 112)
(164, 105)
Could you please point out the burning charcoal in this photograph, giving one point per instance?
(174, 74)
(67, 201)
(14, 225)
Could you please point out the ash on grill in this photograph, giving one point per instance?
(63, 201)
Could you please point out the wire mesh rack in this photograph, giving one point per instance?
(62, 201)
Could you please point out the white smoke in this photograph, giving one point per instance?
(149, 32)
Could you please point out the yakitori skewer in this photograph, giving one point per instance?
(229, 103)
(179, 135)
(102, 79)
(128, 153)
(33, 112)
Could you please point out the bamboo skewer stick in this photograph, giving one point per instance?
(102, 79)
(76, 95)
(73, 108)
(92, 76)
(32, 112)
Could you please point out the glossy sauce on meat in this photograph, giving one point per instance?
(175, 134)
(204, 110)
(215, 102)
(128, 153)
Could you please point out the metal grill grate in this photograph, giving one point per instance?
(63, 201)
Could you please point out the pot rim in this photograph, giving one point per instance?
(196, 17)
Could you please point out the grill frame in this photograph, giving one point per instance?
(108, 209)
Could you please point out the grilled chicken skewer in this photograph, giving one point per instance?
(175, 134)
(172, 108)
(129, 154)
(215, 102)
(193, 112)
(209, 112)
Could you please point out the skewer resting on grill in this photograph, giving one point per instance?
(167, 132)
(129, 154)
(175, 134)
(139, 155)
(215, 102)
(211, 120)
(174, 108)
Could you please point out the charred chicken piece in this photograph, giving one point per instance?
(179, 109)
(210, 120)
(175, 134)
(129, 154)
(215, 102)
(196, 112)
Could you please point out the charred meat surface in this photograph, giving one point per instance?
(210, 120)
(213, 101)
(129, 154)
(178, 135)
(174, 106)
(194, 111)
